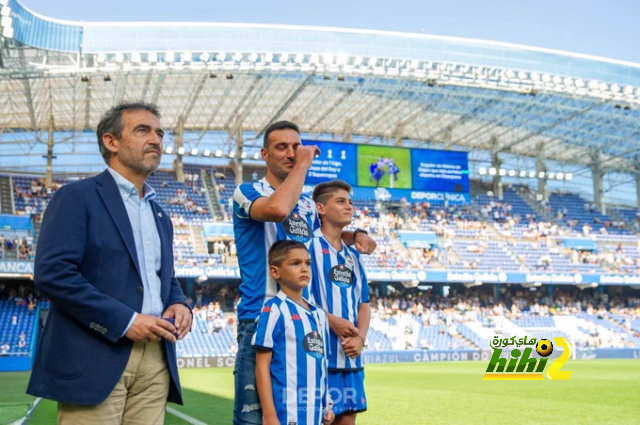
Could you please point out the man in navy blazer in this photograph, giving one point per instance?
(105, 259)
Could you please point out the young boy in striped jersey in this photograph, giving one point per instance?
(291, 345)
(340, 287)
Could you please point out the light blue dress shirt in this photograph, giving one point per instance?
(148, 246)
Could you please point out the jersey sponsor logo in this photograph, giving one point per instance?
(313, 345)
(266, 309)
(297, 228)
(341, 276)
(295, 317)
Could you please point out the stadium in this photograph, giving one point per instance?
(501, 183)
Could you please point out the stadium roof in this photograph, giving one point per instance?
(374, 86)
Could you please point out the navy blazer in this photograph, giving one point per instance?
(86, 263)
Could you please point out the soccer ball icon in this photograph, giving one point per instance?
(544, 347)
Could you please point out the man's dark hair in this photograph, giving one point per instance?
(323, 191)
(111, 122)
(280, 125)
(279, 250)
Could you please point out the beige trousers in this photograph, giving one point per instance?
(140, 396)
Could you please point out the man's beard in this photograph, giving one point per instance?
(138, 164)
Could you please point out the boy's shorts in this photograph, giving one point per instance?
(347, 392)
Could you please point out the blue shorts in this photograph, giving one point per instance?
(347, 392)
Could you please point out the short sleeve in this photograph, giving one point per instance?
(269, 327)
(243, 197)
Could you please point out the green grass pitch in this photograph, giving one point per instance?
(599, 392)
(368, 154)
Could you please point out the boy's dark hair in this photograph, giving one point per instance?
(323, 191)
(280, 125)
(280, 249)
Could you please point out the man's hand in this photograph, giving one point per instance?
(365, 244)
(306, 154)
(329, 416)
(352, 346)
(150, 328)
(182, 318)
(342, 327)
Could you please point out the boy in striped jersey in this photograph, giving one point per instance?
(290, 340)
(340, 287)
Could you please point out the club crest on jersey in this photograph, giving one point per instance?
(297, 228)
(313, 345)
(349, 262)
(341, 276)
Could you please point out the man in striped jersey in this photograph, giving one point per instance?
(291, 338)
(266, 211)
(340, 287)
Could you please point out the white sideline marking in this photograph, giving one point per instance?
(25, 419)
(184, 417)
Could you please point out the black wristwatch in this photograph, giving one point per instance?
(355, 233)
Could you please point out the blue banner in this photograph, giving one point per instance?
(446, 171)
(382, 194)
(336, 161)
(16, 267)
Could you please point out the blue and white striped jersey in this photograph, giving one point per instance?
(254, 238)
(338, 285)
(299, 375)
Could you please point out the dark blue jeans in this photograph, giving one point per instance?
(246, 405)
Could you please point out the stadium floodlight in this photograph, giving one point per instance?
(557, 80)
(503, 172)
(579, 83)
(136, 58)
(615, 88)
(194, 151)
(546, 78)
(541, 174)
(207, 152)
(568, 176)
(119, 57)
(168, 149)
(373, 61)
(232, 154)
(268, 57)
(342, 59)
(169, 57)
(218, 153)
(152, 57)
(522, 75)
(4, 2)
(221, 56)
(314, 59)
(101, 57)
(6, 21)
(284, 57)
(187, 56)
(593, 85)
(415, 64)
(244, 155)
(534, 76)
(253, 57)
(256, 155)
(492, 171)
(559, 176)
(482, 171)
(512, 173)
(204, 57)
(299, 58)
(327, 59)
(510, 73)
(181, 150)
(568, 81)
(603, 86)
(6, 11)
(532, 174)
(523, 173)
(551, 175)
(628, 90)
(358, 60)
(237, 56)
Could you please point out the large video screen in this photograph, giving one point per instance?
(390, 167)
